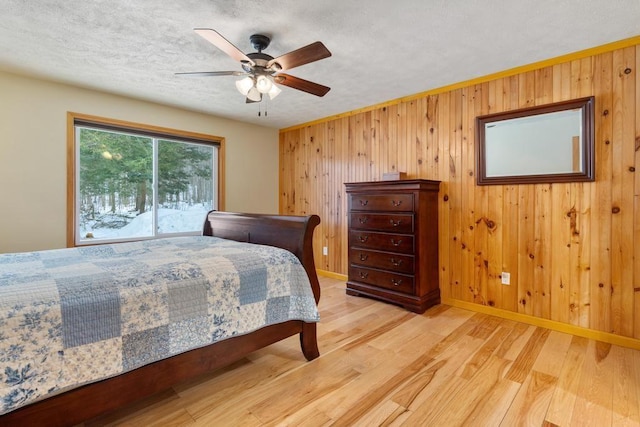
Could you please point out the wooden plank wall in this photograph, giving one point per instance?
(573, 250)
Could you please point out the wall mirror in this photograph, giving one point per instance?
(547, 143)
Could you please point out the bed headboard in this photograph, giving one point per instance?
(293, 233)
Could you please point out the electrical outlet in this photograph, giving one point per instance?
(325, 250)
(506, 278)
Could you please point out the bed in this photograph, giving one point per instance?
(237, 239)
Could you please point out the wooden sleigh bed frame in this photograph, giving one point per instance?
(294, 233)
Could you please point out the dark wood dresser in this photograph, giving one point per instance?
(393, 242)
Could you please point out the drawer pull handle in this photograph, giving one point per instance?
(363, 257)
(396, 282)
(363, 275)
(394, 243)
(396, 203)
(396, 262)
(395, 223)
(363, 220)
(363, 238)
(364, 202)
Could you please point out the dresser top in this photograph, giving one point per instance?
(402, 184)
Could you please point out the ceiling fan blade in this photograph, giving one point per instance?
(301, 84)
(213, 73)
(310, 53)
(215, 38)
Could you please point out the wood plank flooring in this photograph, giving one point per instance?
(383, 366)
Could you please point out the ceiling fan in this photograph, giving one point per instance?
(262, 72)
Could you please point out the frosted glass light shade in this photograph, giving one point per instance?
(244, 85)
(264, 84)
(254, 95)
(274, 91)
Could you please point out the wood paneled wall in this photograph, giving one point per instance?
(573, 250)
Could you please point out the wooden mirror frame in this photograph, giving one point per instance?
(587, 172)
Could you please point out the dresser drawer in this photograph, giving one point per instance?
(384, 279)
(382, 260)
(402, 243)
(394, 223)
(382, 202)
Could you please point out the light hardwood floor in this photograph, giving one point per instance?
(382, 365)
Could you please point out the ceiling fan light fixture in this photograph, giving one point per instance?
(263, 84)
(254, 95)
(274, 91)
(244, 85)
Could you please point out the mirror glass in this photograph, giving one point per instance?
(549, 143)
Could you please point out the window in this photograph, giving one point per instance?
(133, 182)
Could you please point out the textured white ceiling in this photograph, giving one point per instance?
(382, 49)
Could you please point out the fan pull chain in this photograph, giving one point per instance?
(260, 109)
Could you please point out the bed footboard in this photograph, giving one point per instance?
(293, 233)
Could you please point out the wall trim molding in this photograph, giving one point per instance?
(632, 41)
(331, 274)
(553, 325)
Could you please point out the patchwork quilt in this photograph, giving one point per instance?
(74, 316)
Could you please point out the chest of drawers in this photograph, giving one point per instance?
(393, 242)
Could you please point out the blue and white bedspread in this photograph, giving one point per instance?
(73, 316)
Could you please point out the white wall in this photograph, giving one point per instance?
(33, 169)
